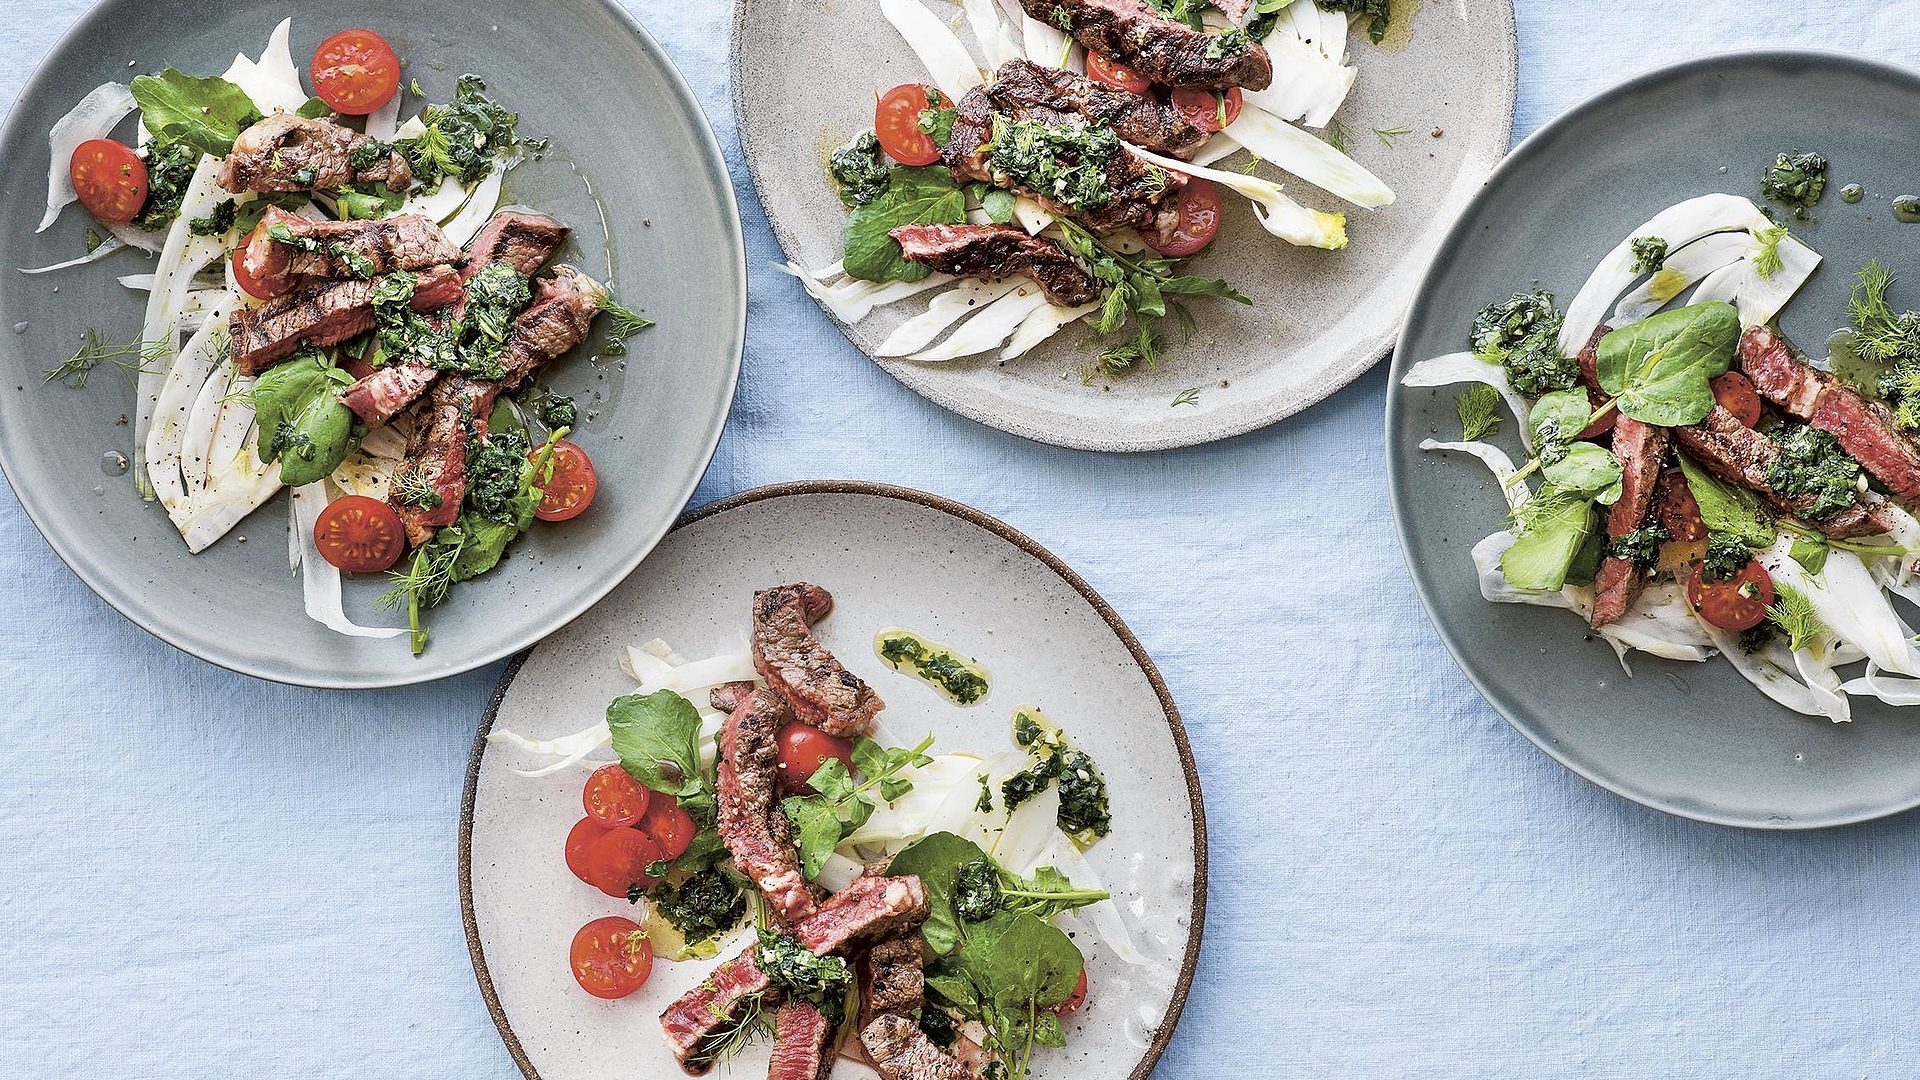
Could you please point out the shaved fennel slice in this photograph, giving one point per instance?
(1214, 149)
(658, 647)
(320, 579)
(704, 674)
(1761, 298)
(1493, 584)
(106, 247)
(145, 283)
(852, 300)
(1045, 44)
(1661, 624)
(998, 43)
(1030, 215)
(173, 408)
(480, 205)
(369, 469)
(180, 261)
(202, 422)
(1045, 322)
(1815, 663)
(569, 749)
(235, 488)
(272, 82)
(383, 123)
(1029, 832)
(953, 71)
(1891, 690)
(232, 426)
(1851, 604)
(1278, 214)
(1722, 285)
(1307, 86)
(1324, 30)
(150, 242)
(906, 818)
(640, 665)
(1465, 367)
(1682, 268)
(1496, 461)
(990, 327)
(1310, 159)
(946, 309)
(1769, 669)
(838, 872)
(1679, 225)
(441, 205)
(93, 118)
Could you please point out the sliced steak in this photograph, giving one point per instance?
(343, 249)
(894, 977)
(751, 822)
(286, 152)
(1589, 362)
(901, 1051)
(1740, 455)
(802, 1043)
(1167, 52)
(692, 1023)
(729, 696)
(1864, 427)
(322, 313)
(557, 320)
(1139, 195)
(1022, 88)
(820, 689)
(385, 392)
(991, 251)
(1641, 450)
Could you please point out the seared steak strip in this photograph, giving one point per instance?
(343, 249)
(1022, 88)
(1863, 426)
(802, 1043)
(820, 689)
(286, 152)
(1165, 51)
(894, 977)
(901, 1051)
(729, 696)
(322, 313)
(992, 251)
(1641, 450)
(1740, 455)
(869, 908)
(751, 823)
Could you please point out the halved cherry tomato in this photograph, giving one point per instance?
(1735, 393)
(1102, 68)
(1075, 999)
(579, 838)
(1199, 207)
(1208, 110)
(1675, 508)
(360, 534)
(355, 72)
(896, 119)
(610, 957)
(669, 826)
(614, 798)
(803, 748)
(617, 860)
(259, 290)
(1736, 603)
(110, 179)
(571, 490)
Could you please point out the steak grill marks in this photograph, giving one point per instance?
(1165, 51)
(1740, 455)
(1055, 97)
(1864, 427)
(992, 251)
(323, 313)
(344, 249)
(820, 689)
(901, 1051)
(751, 822)
(286, 152)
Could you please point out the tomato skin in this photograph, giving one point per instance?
(803, 748)
(1675, 508)
(1735, 393)
(668, 826)
(1202, 108)
(1200, 210)
(613, 797)
(579, 838)
(243, 277)
(360, 534)
(610, 958)
(355, 72)
(1075, 999)
(896, 120)
(1104, 69)
(1720, 602)
(617, 860)
(570, 492)
(110, 179)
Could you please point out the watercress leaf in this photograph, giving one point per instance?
(1558, 418)
(1728, 509)
(951, 985)
(1810, 554)
(1029, 962)
(936, 859)
(893, 788)
(1660, 369)
(657, 737)
(1146, 296)
(206, 114)
(706, 850)
(817, 825)
(998, 204)
(927, 195)
(1587, 469)
(869, 757)
(315, 108)
(832, 780)
(1047, 1031)
(1557, 527)
(487, 541)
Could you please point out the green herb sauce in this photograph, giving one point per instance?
(1798, 180)
(1906, 209)
(702, 907)
(962, 679)
(1067, 165)
(822, 981)
(1085, 811)
(1852, 193)
(1522, 335)
(1812, 466)
(170, 168)
(859, 170)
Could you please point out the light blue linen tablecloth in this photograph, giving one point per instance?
(202, 874)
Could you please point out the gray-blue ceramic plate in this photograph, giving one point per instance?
(1691, 739)
(628, 141)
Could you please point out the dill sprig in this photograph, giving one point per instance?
(423, 584)
(1479, 410)
(1189, 396)
(1880, 333)
(1339, 135)
(623, 323)
(131, 358)
(1387, 135)
(1766, 261)
(1793, 613)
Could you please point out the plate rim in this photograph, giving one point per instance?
(962, 405)
(1197, 916)
(716, 168)
(1511, 711)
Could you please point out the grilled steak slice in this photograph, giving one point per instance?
(901, 1051)
(802, 1044)
(285, 152)
(555, 322)
(1163, 50)
(1863, 426)
(1589, 363)
(751, 822)
(895, 978)
(384, 392)
(820, 689)
(323, 313)
(729, 696)
(869, 908)
(1028, 90)
(1641, 449)
(991, 251)
(1740, 455)
(344, 249)
(1139, 195)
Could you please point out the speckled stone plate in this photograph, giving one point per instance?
(1695, 740)
(671, 247)
(891, 557)
(804, 78)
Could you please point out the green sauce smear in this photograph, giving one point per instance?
(962, 679)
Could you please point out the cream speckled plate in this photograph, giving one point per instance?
(891, 557)
(804, 76)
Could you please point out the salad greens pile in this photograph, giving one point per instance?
(302, 422)
(841, 804)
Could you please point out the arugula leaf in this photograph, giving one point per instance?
(926, 195)
(998, 203)
(1728, 509)
(314, 109)
(658, 739)
(1660, 369)
(302, 423)
(1008, 973)
(206, 114)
